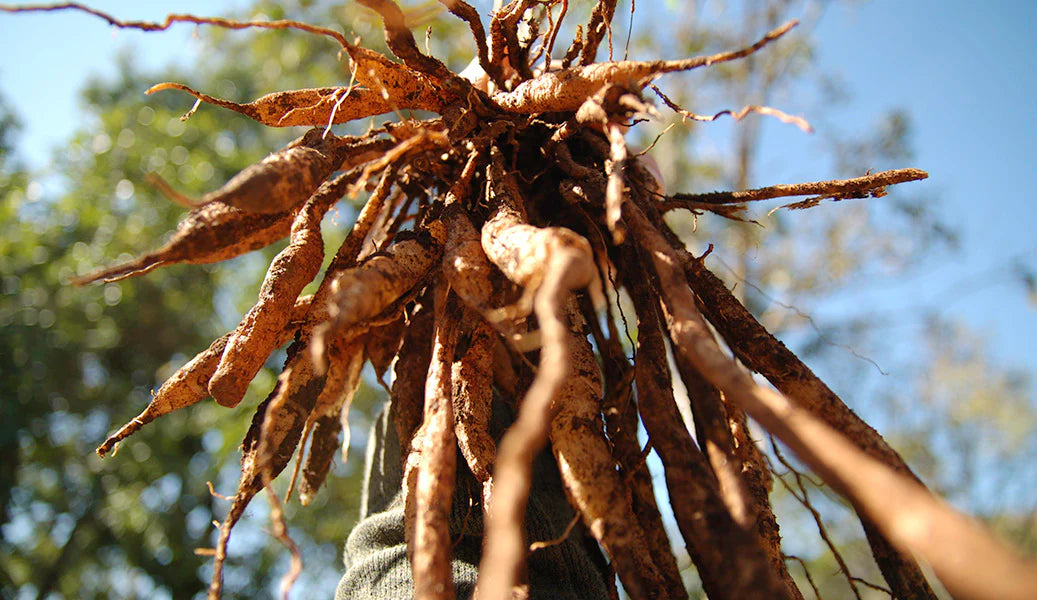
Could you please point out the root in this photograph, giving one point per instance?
(364, 292)
(464, 263)
(802, 496)
(330, 417)
(293, 268)
(279, 529)
(711, 535)
(434, 478)
(737, 116)
(178, 18)
(382, 344)
(568, 265)
(858, 187)
(903, 510)
(566, 90)
(287, 178)
(756, 475)
(408, 388)
(467, 13)
(763, 353)
(714, 437)
(211, 233)
(190, 384)
(621, 420)
(400, 40)
(599, 26)
(472, 395)
(589, 475)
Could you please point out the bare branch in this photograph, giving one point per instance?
(737, 116)
(857, 187)
(467, 13)
(180, 18)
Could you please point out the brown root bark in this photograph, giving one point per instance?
(431, 467)
(210, 233)
(712, 536)
(763, 353)
(901, 508)
(588, 472)
(293, 268)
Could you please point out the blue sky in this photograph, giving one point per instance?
(964, 70)
(966, 74)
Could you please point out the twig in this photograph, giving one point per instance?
(737, 116)
(806, 573)
(181, 18)
(467, 13)
(558, 540)
(857, 187)
(803, 497)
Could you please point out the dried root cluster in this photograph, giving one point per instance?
(486, 260)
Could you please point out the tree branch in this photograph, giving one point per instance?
(180, 18)
(857, 187)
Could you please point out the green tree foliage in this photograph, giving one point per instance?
(79, 361)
